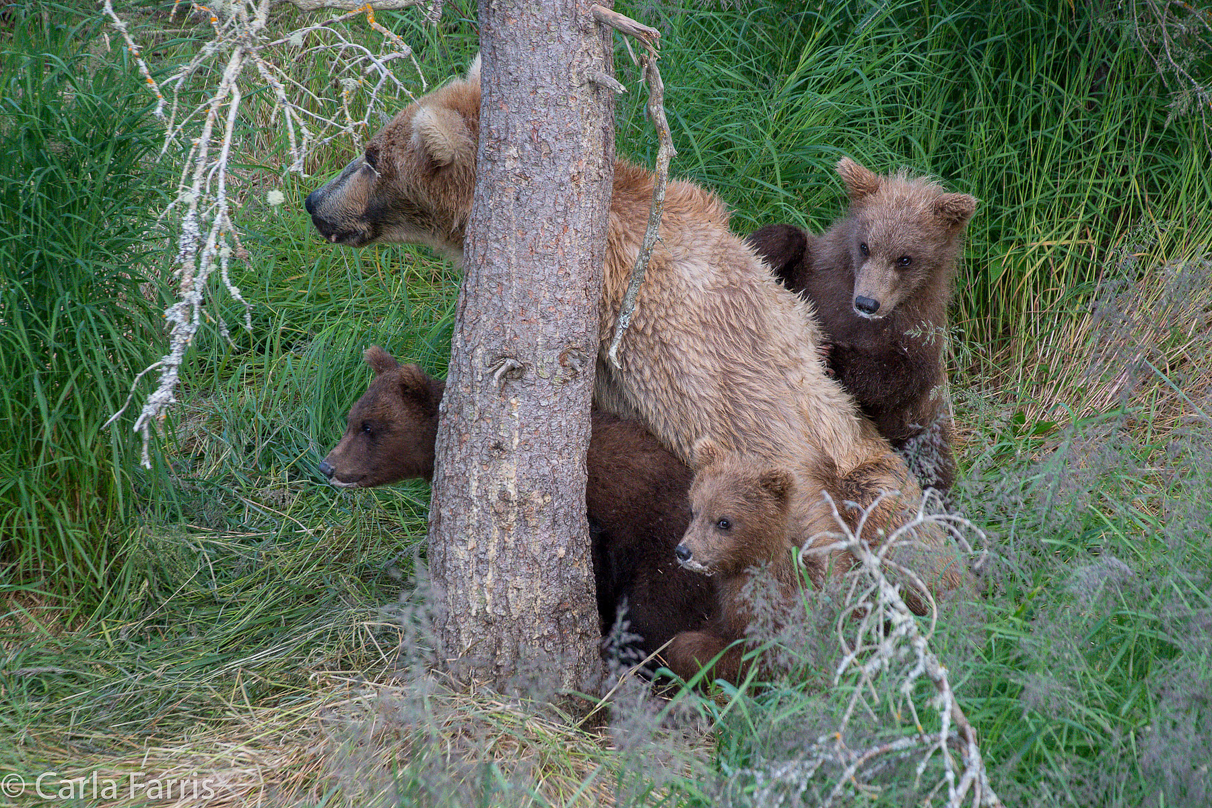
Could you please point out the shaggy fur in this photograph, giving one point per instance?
(716, 349)
(636, 498)
(880, 279)
(746, 521)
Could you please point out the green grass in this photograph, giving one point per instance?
(228, 613)
(79, 307)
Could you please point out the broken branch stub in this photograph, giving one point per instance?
(650, 38)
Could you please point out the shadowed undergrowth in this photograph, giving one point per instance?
(228, 615)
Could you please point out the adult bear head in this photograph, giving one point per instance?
(414, 182)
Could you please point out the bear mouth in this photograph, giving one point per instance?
(347, 238)
(334, 233)
(695, 566)
(335, 483)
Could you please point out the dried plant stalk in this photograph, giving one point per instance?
(650, 38)
(206, 134)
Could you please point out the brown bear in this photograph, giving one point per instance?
(880, 281)
(746, 522)
(716, 348)
(636, 499)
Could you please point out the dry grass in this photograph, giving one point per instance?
(358, 742)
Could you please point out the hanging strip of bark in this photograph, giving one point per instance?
(650, 38)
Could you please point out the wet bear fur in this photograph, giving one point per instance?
(746, 524)
(716, 349)
(636, 500)
(880, 280)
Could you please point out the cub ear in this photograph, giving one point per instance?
(705, 452)
(860, 182)
(782, 247)
(778, 483)
(417, 386)
(441, 134)
(473, 71)
(380, 360)
(955, 209)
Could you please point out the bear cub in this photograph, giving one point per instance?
(636, 499)
(745, 524)
(880, 280)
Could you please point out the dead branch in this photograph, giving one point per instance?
(650, 38)
(205, 133)
(886, 635)
(886, 652)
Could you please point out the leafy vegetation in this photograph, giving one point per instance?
(227, 615)
(79, 313)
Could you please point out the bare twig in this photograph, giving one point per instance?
(888, 639)
(207, 238)
(650, 38)
(1176, 35)
(138, 56)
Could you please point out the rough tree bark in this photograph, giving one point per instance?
(509, 549)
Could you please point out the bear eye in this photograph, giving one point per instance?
(368, 427)
(904, 261)
(724, 524)
(863, 249)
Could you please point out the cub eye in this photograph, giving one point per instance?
(904, 261)
(368, 427)
(724, 524)
(863, 248)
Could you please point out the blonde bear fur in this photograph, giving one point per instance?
(716, 349)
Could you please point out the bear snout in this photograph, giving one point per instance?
(683, 553)
(327, 469)
(866, 306)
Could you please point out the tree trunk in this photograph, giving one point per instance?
(509, 548)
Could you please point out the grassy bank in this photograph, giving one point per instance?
(228, 617)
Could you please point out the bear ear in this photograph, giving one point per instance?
(955, 209)
(778, 483)
(860, 182)
(416, 386)
(380, 360)
(782, 247)
(441, 134)
(473, 71)
(705, 453)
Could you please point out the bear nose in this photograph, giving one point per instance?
(682, 552)
(326, 469)
(309, 203)
(866, 305)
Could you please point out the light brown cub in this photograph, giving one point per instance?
(746, 522)
(880, 279)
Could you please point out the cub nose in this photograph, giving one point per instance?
(326, 469)
(682, 552)
(866, 305)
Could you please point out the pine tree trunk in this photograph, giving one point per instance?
(509, 548)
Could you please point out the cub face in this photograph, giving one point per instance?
(739, 514)
(414, 182)
(900, 233)
(390, 431)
